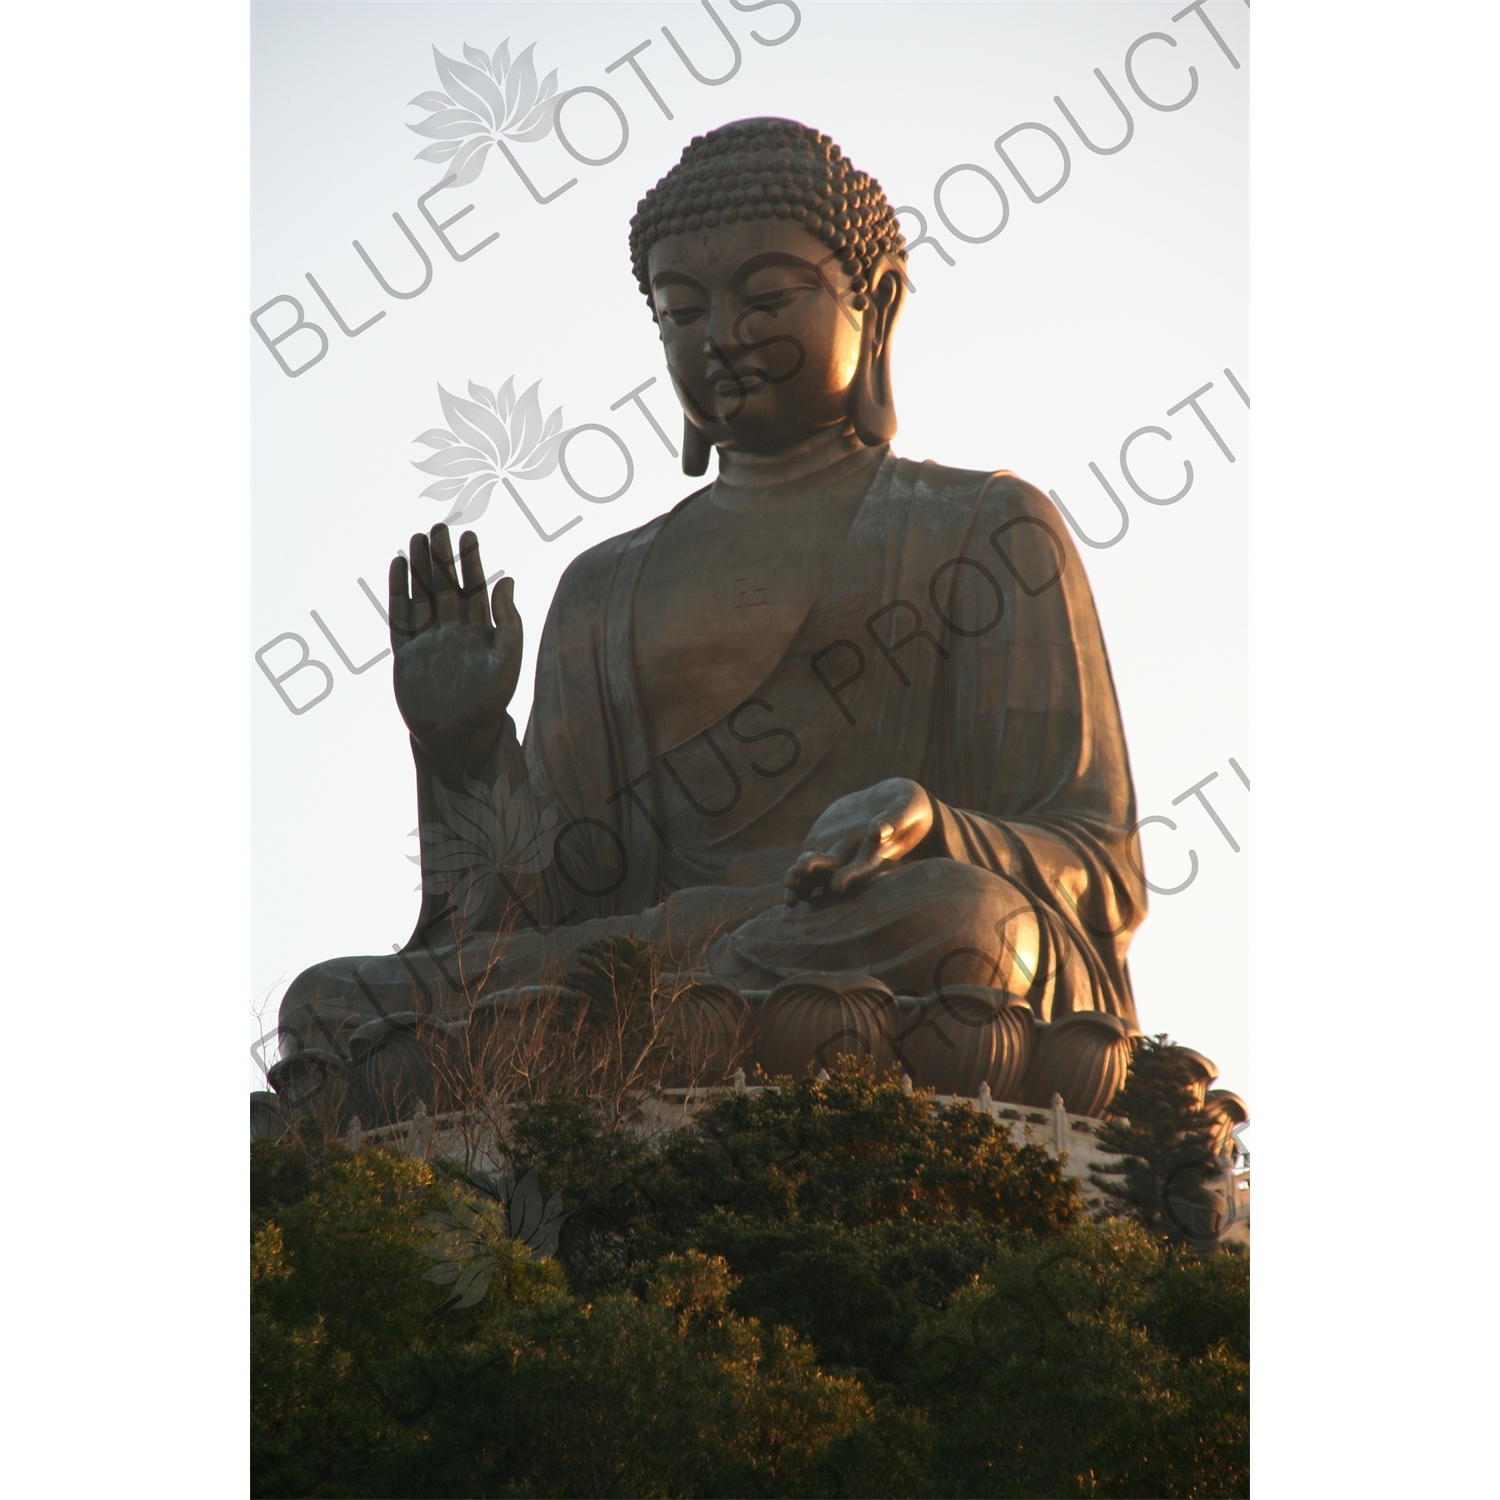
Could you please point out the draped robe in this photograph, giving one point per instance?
(954, 641)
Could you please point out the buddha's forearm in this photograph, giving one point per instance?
(460, 814)
(459, 756)
(1078, 866)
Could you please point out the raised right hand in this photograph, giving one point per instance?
(455, 669)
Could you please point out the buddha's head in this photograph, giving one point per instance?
(775, 273)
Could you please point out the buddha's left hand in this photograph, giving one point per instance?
(857, 837)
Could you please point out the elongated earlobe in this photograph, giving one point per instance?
(695, 449)
(872, 408)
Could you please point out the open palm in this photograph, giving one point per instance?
(456, 663)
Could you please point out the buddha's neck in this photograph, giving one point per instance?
(756, 481)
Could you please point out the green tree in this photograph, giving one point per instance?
(360, 1385)
(1049, 1375)
(1165, 1142)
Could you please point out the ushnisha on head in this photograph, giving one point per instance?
(775, 272)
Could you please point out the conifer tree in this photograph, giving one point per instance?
(1165, 1141)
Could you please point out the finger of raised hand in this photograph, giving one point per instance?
(445, 578)
(398, 603)
(476, 607)
(423, 601)
(507, 617)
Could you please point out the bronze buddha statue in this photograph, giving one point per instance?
(836, 712)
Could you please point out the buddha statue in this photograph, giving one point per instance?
(838, 718)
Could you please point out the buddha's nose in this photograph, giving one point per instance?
(719, 339)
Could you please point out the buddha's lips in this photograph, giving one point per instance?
(738, 385)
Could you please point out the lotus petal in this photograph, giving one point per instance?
(480, 59)
(453, 1244)
(436, 437)
(443, 1275)
(520, 85)
(467, 1215)
(432, 100)
(472, 503)
(470, 87)
(454, 867)
(526, 828)
(505, 398)
(543, 1241)
(467, 150)
(475, 508)
(440, 151)
(462, 818)
(450, 125)
(473, 1284)
(539, 118)
(453, 130)
(501, 59)
(526, 1207)
(473, 156)
(442, 489)
(537, 854)
(526, 423)
(543, 461)
(479, 810)
(477, 83)
(536, 132)
(470, 896)
(469, 818)
(479, 393)
(436, 835)
(454, 461)
(478, 425)
(554, 423)
(513, 818)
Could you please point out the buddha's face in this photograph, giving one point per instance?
(760, 335)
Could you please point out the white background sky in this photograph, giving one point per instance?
(1040, 351)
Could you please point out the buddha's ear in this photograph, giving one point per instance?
(696, 448)
(873, 406)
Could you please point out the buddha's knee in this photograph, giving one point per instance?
(981, 927)
(320, 1019)
(322, 1006)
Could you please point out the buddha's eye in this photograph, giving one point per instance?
(772, 301)
(682, 316)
